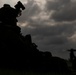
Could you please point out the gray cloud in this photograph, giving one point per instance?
(32, 9)
(55, 4)
(66, 13)
(44, 30)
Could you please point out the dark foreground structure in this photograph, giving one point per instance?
(18, 51)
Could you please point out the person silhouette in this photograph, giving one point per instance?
(9, 14)
(72, 56)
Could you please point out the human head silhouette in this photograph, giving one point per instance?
(6, 5)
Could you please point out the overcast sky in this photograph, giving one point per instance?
(51, 23)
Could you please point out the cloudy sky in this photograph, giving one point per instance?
(51, 23)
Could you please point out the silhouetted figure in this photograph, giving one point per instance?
(8, 14)
(72, 56)
(8, 17)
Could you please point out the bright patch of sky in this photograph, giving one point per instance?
(41, 3)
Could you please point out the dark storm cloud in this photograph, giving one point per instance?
(55, 4)
(51, 34)
(51, 38)
(65, 13)
(68, 13)
(43, 30)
